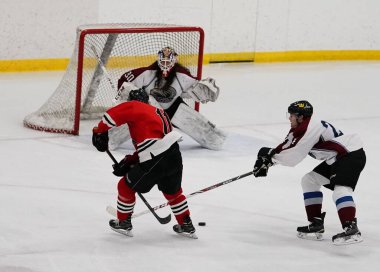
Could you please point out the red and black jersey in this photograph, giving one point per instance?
(149, 126)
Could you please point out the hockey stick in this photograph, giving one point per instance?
(162, 220)
(108, 77)
(111, 210)
(103, 67)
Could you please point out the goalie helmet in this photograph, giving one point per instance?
(139, 95)
(301, 107)
(166, 59)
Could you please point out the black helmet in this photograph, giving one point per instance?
(301, 107)
(139, 95)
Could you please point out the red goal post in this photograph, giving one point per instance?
(85, 92)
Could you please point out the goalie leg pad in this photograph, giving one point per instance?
(198, 127)
(118, 136)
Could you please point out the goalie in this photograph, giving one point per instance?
(167, 83)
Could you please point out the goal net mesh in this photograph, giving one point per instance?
(85, 91)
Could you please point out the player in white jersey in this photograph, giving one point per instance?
(167, 82)
(343, 160)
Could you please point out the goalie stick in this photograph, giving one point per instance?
(108, 77)
(112, 211)
(162, 220)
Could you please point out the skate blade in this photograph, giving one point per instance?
(353, 239)
(188, 235)
(315, 236)
(124, 232)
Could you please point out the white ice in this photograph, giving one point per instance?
(54, 188)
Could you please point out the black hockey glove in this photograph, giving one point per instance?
(123, 167)
(100, 140)
(263, 162)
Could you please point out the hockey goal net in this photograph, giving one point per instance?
(85, 92)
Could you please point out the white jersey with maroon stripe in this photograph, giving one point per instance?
(319, 139)
(146, 78)
(150, 128)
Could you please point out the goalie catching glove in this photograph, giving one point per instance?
(263, 162)
(203, 91)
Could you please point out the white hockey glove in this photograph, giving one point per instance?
(204, 91)
(123, 92)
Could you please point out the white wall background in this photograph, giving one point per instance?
(286, 25)
(41, 29)
(46, 28)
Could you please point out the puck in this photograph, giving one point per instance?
(202, 224)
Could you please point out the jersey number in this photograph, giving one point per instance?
(336, 132)
(129, 76)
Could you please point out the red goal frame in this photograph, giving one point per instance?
(85, 32)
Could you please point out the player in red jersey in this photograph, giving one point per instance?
(156, 161)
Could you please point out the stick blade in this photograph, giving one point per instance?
(111, 211)
(165, 220)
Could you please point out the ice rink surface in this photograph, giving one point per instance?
(54, 188)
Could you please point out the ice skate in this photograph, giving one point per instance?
(351, 234)
(186, 229)
(123, 227)
(314, 230)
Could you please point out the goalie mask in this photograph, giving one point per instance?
(166, 59)
(138, 95)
